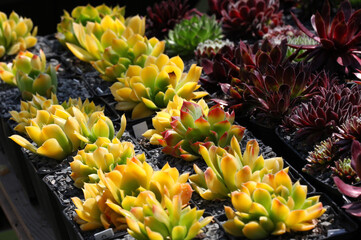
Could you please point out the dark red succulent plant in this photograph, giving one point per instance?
(339, 40)
(353, 208)
(318, 118)
(216, 7)
(278, 34)
(344, 171)
(163, 16)
(250, 19)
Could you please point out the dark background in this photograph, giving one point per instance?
(46, 13)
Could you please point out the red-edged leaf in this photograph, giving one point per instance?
(302, 27)
(340, 33)
(320, 26)
(216, 114)
(347, 189)
(207, 66)
(356, 157)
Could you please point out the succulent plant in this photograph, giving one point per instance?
(217, 6)
(162, 120)
(163, 16)
(353, 208)
(209, 48)
(104, 154)
(147, 218)
(273, 207)
(228, 170)
(349, 131)
(250, 19)
(28, 109)
(317, 119)
(16, 34)
(91, 40)
(82, 15)
(187, 34)
(29, 73)
(338, 40)
(93, 212)
(145, 90)
(278, 34)
(123, 52)
(299, 40)
(194, 128)
(321, 157)
(58, 133)
(344, 171)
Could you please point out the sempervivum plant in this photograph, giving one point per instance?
(163, 16)
(250, 19)
(318, 118)
(16, 34)
(123, 52)
(148, 219)
(30, 74)
(339, 40)
(162, 120)
(217, 6)
(353, 208)
(194, 127)
(187, 34)
(28, 109)
(209, 48)
(145, 90)
(82, 15)
(227, 171)
(278, 34)
(344, 171)
(273, 207)
(58, 133)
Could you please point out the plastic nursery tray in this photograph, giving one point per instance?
(335, 225)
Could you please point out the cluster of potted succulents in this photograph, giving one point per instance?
(178, 148)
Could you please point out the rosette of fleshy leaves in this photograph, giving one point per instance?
(104, 154)
(93, 212)
(317, 119)
(163, 16)
(82, 15)
(148, 219)
(92, 40)
(162, 120)
(217, 6)
(338, 41)
(194, 127)
(58, 133)
(28, 109)
(145, 90)
(30, 74)
(16, 34)
(125, 51)
(344, 171)
(272, 207)
(228, 170)
(354, 192)
(278, 34)
(124, 181)
(187, 34)
(250, 19)
(209, 48)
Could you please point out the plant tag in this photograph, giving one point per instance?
(139, 129)
(108, 233)
(335, 232)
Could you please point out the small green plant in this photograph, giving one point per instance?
(186, 35)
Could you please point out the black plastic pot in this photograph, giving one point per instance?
(341, 227)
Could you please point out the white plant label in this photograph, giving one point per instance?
(108, 233)
(139, 129)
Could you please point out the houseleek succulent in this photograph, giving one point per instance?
(186, 35)
(123, 52)
(57, 133)
(28, 109)
(145, 90)
(273, 207)
(162, 120)
(104, 154)
(16, 34)
(228, 170)
(147, 218)
(29, 73)
(209, 48)
(194, 127)
(94, 38)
